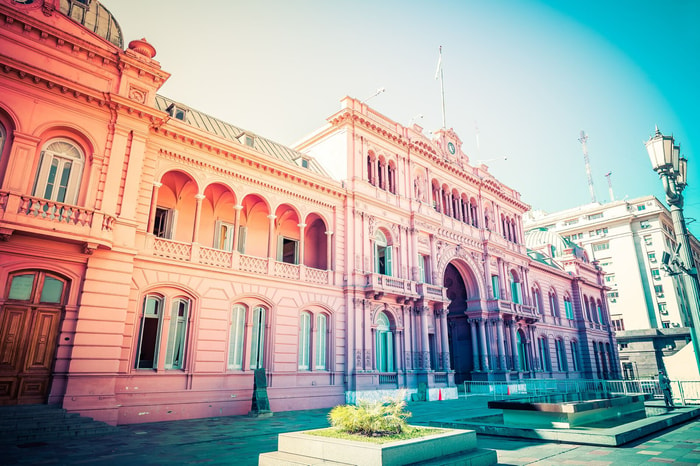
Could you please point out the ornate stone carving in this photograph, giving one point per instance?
(137, 95)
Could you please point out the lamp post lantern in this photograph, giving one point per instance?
(672, 169)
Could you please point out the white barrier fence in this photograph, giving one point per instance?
(684, 391)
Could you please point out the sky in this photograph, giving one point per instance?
(522, 78)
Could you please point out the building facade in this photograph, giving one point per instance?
(153, 257)
(628, 239)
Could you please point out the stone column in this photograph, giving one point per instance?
(445, 341)
(236, 226)
(501, 344)
(425, 346)
(271, 238)
(329, 250)
(154, 204)
(302, 242)
(514, 345)
(475, 344)
(484, 348)
(414, 254)
(197, 215)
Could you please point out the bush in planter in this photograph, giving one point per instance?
(371, 418)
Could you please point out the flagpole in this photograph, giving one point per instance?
(442, 88)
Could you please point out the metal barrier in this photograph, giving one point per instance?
(683, 391)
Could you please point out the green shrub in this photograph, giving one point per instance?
(371, 418)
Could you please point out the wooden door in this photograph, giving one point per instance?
(28, 336)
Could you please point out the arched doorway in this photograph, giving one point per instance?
(30, 320)
(461, 287)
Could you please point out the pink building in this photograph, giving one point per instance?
(153, 256)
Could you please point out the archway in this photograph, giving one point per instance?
(461, 287)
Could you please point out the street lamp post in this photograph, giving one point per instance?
(672, 169)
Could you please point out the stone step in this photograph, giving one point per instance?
(37, 423)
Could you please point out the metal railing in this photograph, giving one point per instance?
(683, 391)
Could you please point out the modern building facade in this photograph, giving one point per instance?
(154, 257)
(628, 239)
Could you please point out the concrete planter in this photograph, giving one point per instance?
(450, 447)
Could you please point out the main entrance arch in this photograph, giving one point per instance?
(461, 288)
(30, 319)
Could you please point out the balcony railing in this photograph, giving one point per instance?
(33, 212)
(196, 254)
(386, 285)
(432, 292)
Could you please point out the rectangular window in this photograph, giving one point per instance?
(662, 308)
(561, 356)
(321, 339)
(641, 207)
(177, 335)
(422, 262)
(665, 324)
(287, 250)
(223, 236)
(163, 224)
(647, 240)
(618, 325)
(568, 309)
(652, 256)
(656, 274)
(610, 278)
(573, 221)
(644, 224)
(235, 344)
(601, 246)
(659, 290)
(496, 287)
(595, 216)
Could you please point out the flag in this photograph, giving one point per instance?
(439, 65)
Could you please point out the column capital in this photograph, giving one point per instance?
(200, 197)
(272, 216)
(238, 207)
(157, 184)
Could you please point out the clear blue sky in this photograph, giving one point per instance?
(529, 74)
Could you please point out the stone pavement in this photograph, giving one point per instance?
(239, 440)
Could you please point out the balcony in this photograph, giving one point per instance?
(56, 219)
(378, 285)
(509, 307)
(432, 292)
(196, 254)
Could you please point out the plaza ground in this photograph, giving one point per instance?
(240, 439)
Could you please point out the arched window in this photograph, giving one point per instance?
(522, 352)
(553, 305)
(537, 300)
(236, 338)
(472, 213)
(382, 254)
(59, 173)
(391, 178)
(304, 341)
(384, 344)
(545, 362)
(380, 174)
(562, 365)
(515, 288)
(257, 343)
(599, 311)
(3, 138)
(575, 361)
(153, 335)
(370, 178)
(568, 308)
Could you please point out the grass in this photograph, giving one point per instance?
(408, 433)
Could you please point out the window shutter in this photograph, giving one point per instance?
(388, 260)
(280, 248)
(320, 346)
(235, 351)
(242, 231)
(389, 351)
(172, 336)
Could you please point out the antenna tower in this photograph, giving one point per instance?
(612, 196)
(583, 139)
